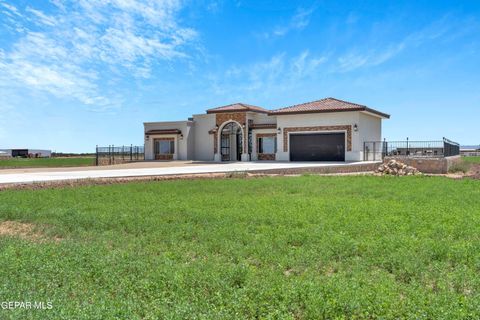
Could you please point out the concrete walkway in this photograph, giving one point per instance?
(65, 174)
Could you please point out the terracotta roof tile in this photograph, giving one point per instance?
(326, 105)
(237, 107)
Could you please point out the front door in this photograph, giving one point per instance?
(239, 146)
(225, 147)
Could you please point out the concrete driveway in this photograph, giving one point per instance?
(154, 169)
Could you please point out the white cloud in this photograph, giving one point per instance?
(11, 8)
(42, 17)
(298, 21)
(277, 73)
(369, 56)
(79, 39)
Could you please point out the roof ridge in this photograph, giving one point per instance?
(299, 104)
(240, 106)
(229, 105)
(320, 100)
(345, 101)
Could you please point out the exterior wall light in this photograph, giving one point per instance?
(355, 127)
(147, 138)
(279, 130)
(181, 136)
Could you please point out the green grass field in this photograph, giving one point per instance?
(46, 162)
(272, 248)
(475, 160)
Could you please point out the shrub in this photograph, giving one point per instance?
(460, 167)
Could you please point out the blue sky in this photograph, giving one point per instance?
(74, 74)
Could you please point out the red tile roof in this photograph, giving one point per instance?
(237, 107)
(326, 105)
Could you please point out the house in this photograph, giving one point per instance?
(324, 130)
(28, 153)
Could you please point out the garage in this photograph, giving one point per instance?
(317, 147)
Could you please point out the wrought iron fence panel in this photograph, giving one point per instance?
(377, 150)
(119, 154)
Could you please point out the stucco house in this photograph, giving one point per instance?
(324, 130)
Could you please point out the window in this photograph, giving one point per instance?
(164, 146)
(267, 145)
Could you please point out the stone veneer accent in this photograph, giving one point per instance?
(221, 118)
(240, 117)
(347, 128)
(164, 157)
(265, 156)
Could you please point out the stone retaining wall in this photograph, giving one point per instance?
(428, 165)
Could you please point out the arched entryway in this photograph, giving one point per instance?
(231, 142)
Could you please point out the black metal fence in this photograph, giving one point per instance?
(450, 148)
(377, 150)
(114, 155)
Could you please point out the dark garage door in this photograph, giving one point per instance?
(317, 147)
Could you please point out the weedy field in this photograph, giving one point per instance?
(46, 162)
(286, 247)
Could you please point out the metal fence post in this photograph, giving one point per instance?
(131, 152)
(384, 148)
(408, 151)
(96, 155)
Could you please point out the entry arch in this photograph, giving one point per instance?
(230, 141)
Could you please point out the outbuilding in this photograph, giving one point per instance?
(26, 153)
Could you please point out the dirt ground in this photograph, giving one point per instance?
(474, 171)
(26, 231)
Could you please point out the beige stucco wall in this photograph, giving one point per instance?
(202, 140)
(183, 146)
(261, 118)
(369, 129)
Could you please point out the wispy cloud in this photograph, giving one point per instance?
(298, 21)
(374, 55)
(355, 60)
(280, 72)
(41, 17)
(62, 52)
